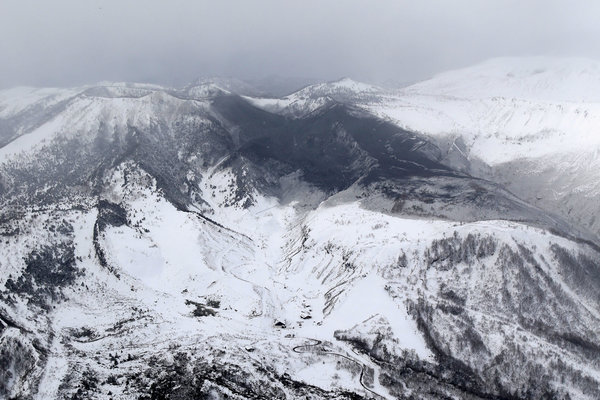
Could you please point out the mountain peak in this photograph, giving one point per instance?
(168, 239)
(227, 85)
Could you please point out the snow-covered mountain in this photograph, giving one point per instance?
(531, 124)
(312, 97)
(202, 243)
(505, 109)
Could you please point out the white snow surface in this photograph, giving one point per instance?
(535, 78)
(504, 109)
(20, 98)
(114, 110)
(272, 262)
(318, 270)
(312, 97)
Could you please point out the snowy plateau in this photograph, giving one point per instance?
(346, 241)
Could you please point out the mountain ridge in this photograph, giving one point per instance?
(209, 245)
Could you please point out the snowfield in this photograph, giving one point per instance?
(345, 241)
(532, 124)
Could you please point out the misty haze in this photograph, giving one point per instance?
(299, 200)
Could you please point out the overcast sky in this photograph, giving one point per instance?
(70, 42)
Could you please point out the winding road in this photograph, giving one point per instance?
(312, 348)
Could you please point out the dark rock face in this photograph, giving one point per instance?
(17, 359)
(48, 269)
(109, 214)
(333, 147)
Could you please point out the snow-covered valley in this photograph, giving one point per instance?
(345, 241)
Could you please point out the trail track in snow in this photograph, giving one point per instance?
(312, 348)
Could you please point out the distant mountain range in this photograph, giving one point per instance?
(344, 241)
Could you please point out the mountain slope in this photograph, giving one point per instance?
(189, 244)
(527, 123)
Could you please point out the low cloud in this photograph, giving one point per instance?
(71, 42)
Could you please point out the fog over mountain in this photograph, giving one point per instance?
(70, 42)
